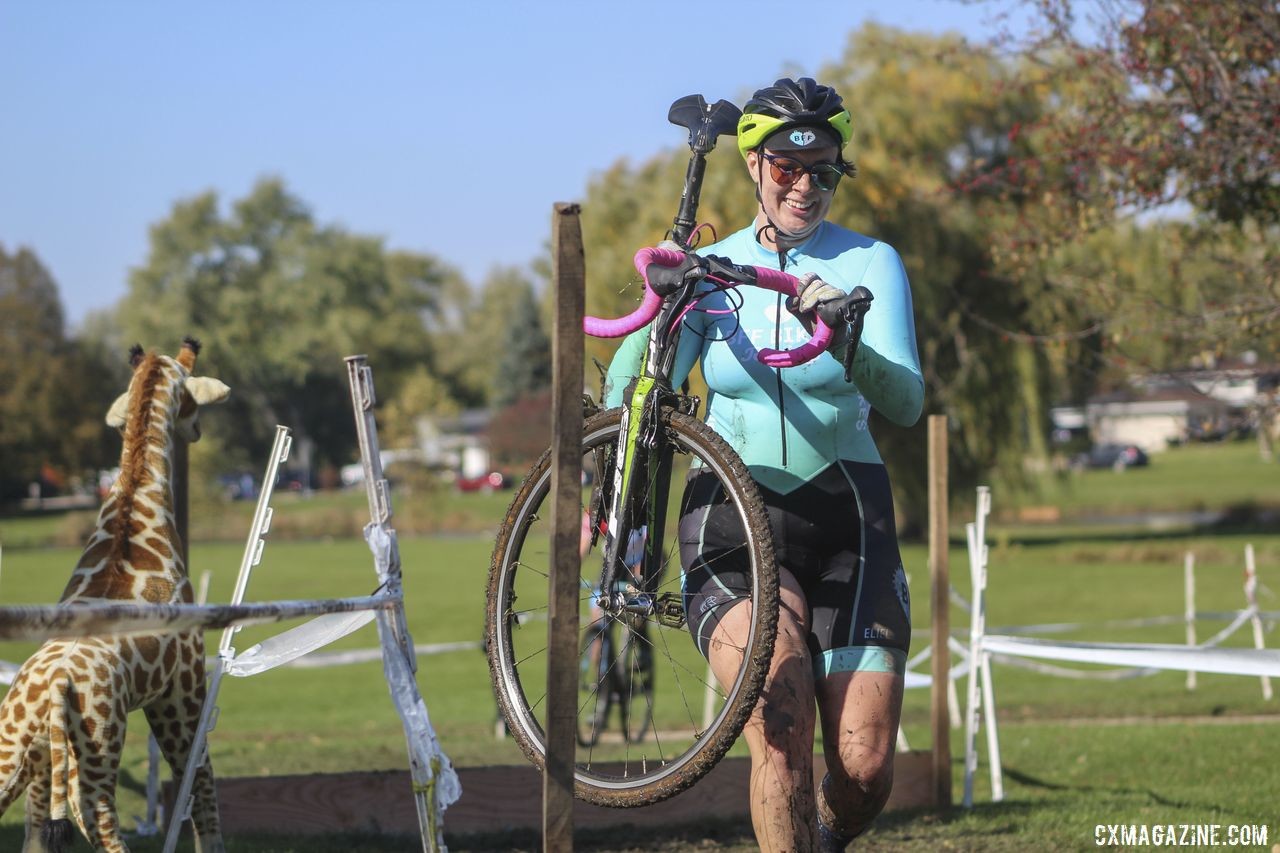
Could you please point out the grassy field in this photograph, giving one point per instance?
(1076, 753)
(1194, 477)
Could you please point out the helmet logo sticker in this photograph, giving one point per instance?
(803, 137)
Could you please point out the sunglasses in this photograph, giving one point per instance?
(786, 171)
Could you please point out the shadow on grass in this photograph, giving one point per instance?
(1145, 795)
(1116, 790)
(1241, 519)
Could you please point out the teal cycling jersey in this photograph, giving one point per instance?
(789, 424)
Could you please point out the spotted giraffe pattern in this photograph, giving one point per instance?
(62, 722)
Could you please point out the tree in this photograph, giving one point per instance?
(421, 394)
(1165, 107)
(521, 431)
(524, 350)
(278, 302)
(53, 392)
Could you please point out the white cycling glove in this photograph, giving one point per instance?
(812, 293)
(816, 298)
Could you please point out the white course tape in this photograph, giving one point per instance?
(1079, 674)
(353, 656)
(289, 645)
(916, 679)
(1158, 655)
(432, 767)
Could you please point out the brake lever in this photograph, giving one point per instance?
(853, 312)
(664, 280)
(722, 267)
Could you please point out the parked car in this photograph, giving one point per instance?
(490, 482)
(1117, 457)
(238, 486)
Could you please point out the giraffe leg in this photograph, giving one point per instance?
(174, 719)
(36, 772)
(23, 741)
(99, 819)
(15, 775)
(92, 793)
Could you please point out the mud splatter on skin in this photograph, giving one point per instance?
(860, 803)
(781, 737)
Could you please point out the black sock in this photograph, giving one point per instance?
(830, 841)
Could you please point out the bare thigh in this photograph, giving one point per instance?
(860, 712)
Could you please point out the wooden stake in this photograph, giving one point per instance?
(568, 278)
(941, 586)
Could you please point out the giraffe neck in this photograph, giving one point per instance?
(135, 553)
(145, 484)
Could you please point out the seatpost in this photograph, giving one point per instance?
(705, 123)
(685, 222)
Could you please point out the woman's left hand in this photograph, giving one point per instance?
(812, 297)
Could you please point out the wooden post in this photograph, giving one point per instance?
(568, 279)
(941, 603)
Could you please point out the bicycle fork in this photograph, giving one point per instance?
(637, 507)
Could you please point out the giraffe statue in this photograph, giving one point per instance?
(62, 722)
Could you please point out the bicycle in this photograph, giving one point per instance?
(633, 455)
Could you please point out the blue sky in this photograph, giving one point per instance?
(446, 128)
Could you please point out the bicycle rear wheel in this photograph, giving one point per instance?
(695, 717)
(595, 695)
(634, 679)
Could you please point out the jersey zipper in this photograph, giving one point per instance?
(777, 371)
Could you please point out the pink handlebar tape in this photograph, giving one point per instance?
(768, 278)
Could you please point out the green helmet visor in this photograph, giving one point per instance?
(755, 128)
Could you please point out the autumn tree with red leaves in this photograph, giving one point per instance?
(1167, 113)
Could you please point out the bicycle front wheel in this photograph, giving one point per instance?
(692, 717)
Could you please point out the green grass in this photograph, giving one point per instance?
(1192, 477)
(1067, 766)
(319, 515)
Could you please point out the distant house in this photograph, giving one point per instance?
(459, 443)
(1153, 421)
(1161, 409)
(1240, 383)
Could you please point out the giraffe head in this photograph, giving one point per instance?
(189, 392)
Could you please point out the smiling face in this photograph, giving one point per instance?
(796, 209)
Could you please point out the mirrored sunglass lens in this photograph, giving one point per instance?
(785, 171)
(826, 177)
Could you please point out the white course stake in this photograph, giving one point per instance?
(1189, 581)
(435, 784)
(1251, 599)
(209, 714)
(981, 694)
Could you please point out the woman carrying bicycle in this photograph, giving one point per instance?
(844, 621)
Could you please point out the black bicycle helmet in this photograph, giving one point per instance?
(792, 103)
